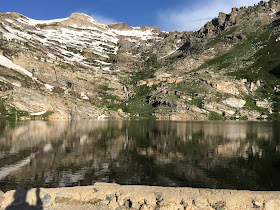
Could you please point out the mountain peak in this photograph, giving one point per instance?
(80, 16)
(83, 20)
(120, 26)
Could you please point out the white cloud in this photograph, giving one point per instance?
(103, 19)
(193, 17)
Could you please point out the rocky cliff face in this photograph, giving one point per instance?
(79, 68)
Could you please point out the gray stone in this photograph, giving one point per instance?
(110, 197)
(46, 199)
(147, 202)
(106, 202)
(235, 103)
(60, 199)
(256, 204)
(185, 204)
(95, 190)
(159, 196)
(219, 205)
(62, 193)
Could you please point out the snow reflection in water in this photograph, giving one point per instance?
(239, 155)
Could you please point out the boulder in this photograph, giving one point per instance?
(234, 103)
(220, 109)
(226, 87)
(264, 104)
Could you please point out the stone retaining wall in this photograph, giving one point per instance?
(114, 196)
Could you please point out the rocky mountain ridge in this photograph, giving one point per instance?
(76, 67)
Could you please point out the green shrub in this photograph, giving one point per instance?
(215, 116)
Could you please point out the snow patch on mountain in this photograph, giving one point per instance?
(73, 37)
(33, 22)
(10, 36)
(84, 96)
(49, 87)
(9, 64)
(38, 113)
(144, 35)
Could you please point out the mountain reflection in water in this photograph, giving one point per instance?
(235, 155)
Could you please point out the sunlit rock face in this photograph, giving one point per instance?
(71, 57)
(79, 68)
(197, 154)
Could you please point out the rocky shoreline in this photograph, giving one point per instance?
(114, 196)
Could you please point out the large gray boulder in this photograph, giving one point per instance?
(234, 103)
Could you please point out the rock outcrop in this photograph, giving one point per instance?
(234, 103)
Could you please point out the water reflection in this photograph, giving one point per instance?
(238, 155)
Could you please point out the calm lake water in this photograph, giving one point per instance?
(231, 155)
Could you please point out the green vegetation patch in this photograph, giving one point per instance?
(215, 116)
(105, 88)
(74, 50)
(255, 58)
(67, 66)
(142, 75)
(266, 60)
(250, 103)
(13, 113)
(137, 106)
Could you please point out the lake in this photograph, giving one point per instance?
(220, 154)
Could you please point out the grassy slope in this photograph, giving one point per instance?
(266, 65)
(257, 58)
(137, 106)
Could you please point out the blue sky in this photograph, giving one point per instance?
(166, 14)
